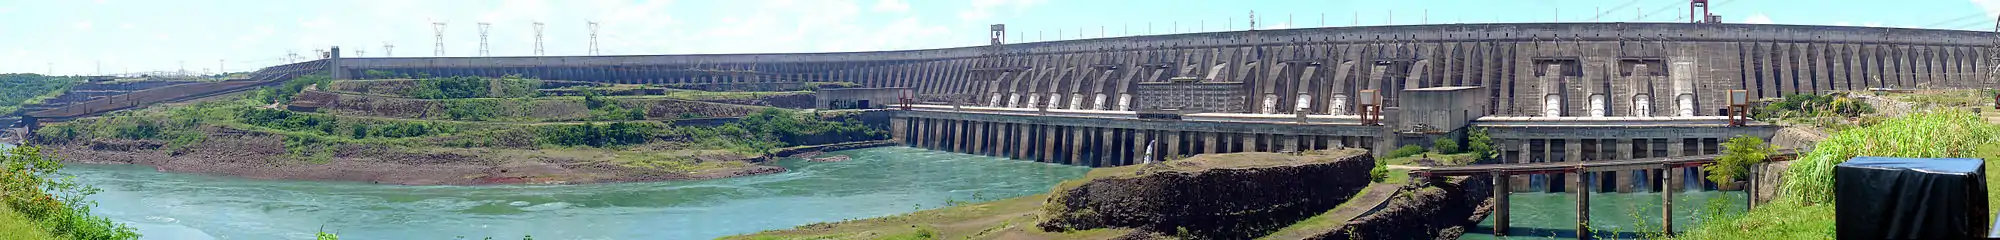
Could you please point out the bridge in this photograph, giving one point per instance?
(1501, 189)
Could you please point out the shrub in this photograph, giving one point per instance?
(31, 185)
(1738, 154)
(1407, 150)
(1478, 142)
(1380, 172)
(1445, 146)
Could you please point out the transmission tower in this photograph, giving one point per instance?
(291, 56)
(388, 50)
(219, 63)
(437, 30)
(593, 37)
(483, 51)
(538, 38)
(360, 52)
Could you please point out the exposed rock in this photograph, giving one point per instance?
(1225, 196)
(1442, 210)
(830, 159)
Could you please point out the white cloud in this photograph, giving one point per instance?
(125, 26)
(1758, 18)
(1992, 7)
(1843, 23)
(983, 9)
(894, 6)
(82, 25)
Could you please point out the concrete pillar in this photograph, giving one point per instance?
(1076, 143)
(1624, 149)
(1105, 143)
(1021, 134)
(1142, 142)
(1249, 142)
(1667, 204)
(1500, 207)
(1049, 143)
(1172, 144)
(978, 138)
(898, 128)
(1208, 142)
(1582, 210)
(1291, 143)
(1673, 146)
(1573, 152)
(961, 136)
(1525, 156)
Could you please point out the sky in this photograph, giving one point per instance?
(88, 37)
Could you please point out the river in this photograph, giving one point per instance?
(877, 182)
(1612, 215)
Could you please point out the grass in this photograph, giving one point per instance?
(13, 225)
(1325, 221)
(1810, 179)
(1776, 220)
(1805, 210)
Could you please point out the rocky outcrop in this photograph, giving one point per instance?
(1221, 202)
(1434, 210)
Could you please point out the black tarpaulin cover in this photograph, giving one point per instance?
(1910, 198)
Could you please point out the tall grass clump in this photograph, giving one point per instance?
(1937, 134)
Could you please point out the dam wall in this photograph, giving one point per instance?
(1527, 69)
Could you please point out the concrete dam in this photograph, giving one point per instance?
(1545, 92)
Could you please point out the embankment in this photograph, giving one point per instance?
(534, 110)
(1424, 210)
(1229, 197)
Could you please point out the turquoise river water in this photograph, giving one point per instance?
(877, 182)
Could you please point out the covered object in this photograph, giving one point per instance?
(1910, 198)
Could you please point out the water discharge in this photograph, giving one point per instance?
(876, 182)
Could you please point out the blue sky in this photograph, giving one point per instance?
(78, 36)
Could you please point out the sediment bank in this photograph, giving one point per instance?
(260, 156)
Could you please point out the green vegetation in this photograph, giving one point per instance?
(1921, 135)
(1406, 150)
(1380, 173)
(1479, 144)
(51, 202)
(473, 87)
(1807, 105)
(816, 86)
(1738, 154)
(1445, 146)
(603, 109)
(17, 89)
(707, 95)
(283, 93)
(1804, 208)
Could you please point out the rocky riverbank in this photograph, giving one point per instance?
(1442, 209)
(260, 156)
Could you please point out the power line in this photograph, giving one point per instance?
(483, 50)
(593, 37)
(538, 38)
(437, 29)
(388, 50)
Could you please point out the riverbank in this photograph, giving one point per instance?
(259, 156)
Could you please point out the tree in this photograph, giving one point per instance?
(1738, 155)
(1478, 142)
